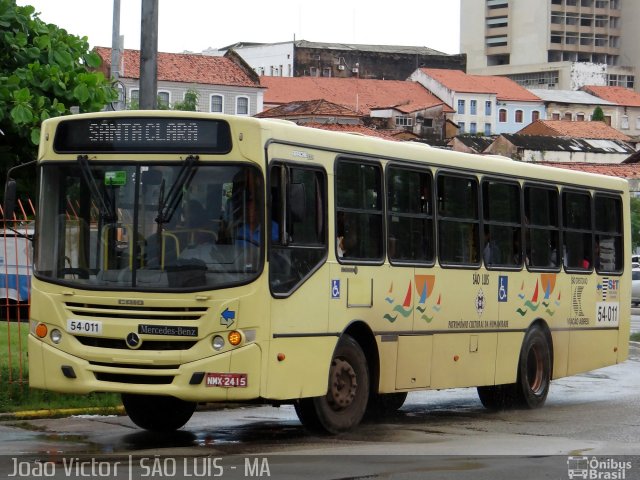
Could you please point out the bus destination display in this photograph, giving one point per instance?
(143, 135)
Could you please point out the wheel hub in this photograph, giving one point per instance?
(343, 384)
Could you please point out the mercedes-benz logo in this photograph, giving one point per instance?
(133, 340)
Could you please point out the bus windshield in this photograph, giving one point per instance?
(150, 226)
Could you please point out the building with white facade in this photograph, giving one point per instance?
(555, 44)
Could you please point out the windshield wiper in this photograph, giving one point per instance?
(167, 206)
(105, 204)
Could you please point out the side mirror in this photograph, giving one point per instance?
(9, 204)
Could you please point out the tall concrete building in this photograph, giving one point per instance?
(556, 44)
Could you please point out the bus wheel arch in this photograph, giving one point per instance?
(345, 403)
(535, 366)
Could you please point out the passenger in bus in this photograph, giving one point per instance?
(490, 253)
(197, 241)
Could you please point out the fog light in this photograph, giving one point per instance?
(55, 335)
(235, 338)
(41, 330)
(217, 343)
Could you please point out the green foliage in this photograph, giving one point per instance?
(15, 394)
(190, 102)
(598, 115)
(43, 72)
(635, 223)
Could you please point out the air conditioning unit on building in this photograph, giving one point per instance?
(340, 67)
(354, 69)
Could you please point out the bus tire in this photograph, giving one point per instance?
(534, 369)
(345, 403)
(381, 404)
(498, 397)
(157, 413)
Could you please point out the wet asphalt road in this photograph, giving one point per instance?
(448, 432)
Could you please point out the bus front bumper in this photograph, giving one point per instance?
(198, 381)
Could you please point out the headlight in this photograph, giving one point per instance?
(217, 343)
(55, 335)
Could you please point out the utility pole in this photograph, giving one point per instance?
(116, 52)
(115, 42)
(149, 55)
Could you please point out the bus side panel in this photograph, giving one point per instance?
(304, 372)
(591, 349)
(388, 351)
(508, 353)
(560, 353)
(37, 377)
(414, 361)
(463, 360)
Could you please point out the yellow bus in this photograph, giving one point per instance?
(184, 258)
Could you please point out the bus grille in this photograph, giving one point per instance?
(143, 379)
(120, 344)
(136, 313)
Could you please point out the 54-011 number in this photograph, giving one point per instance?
(85, 327)
(608, 313)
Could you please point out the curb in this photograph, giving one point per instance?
(60, 412)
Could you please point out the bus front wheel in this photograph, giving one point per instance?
(157, 413)
(344, 405)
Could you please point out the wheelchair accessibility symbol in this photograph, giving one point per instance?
(335, 289)
(503, 289)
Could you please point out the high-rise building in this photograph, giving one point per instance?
(561, 44)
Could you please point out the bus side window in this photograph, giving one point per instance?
(298, 207)
(541, 223)
(577, 232)
(458, 220)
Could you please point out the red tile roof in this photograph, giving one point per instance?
(357, 94)
(359, 129)
(316, 108)
(503, 87)
(619, 95)
(621, 170)
(566, 128)
(185, 68)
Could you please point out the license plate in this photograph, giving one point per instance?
(84, 327)
(227, 380)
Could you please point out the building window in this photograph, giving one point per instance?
(607, 119)
(242, 106)
(637, 123)
(487, 129)
(216, 103)
(487, 108)
(473, 128)
(519, 116)
(460, 106)
(134, 98)
(314, 71)
(163, 99)
(460, 128)
(502, 115)
(473, 106)
(402, 121)
(579, 117)
(326, 72)
(555, 116)
(535, 116)
(568, 116)
(624, 122)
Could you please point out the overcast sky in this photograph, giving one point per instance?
(194, 25)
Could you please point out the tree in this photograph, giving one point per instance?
(598, 115)
(44, 71)
(635, 223)
(190, 102)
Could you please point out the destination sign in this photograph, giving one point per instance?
(143, 135)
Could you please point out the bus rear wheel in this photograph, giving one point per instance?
(534, 369)
(534, 377)
(157, 413)
(344, 405)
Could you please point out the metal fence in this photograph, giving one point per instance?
(16, 259)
